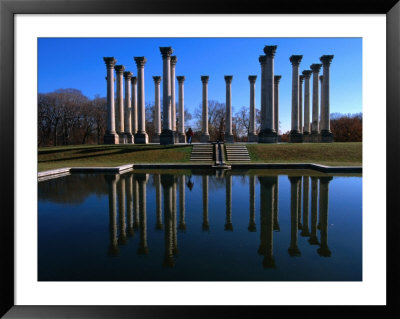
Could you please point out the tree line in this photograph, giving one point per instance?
(67, 117)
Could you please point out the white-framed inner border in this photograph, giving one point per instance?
(371, 291)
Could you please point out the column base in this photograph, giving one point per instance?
(314, 137)
(306, 137)
(111, 138)
(295, 137)
(167, 137)
(176, 136)
(141, 138)
(326, 136)
(129, 138)
(267, 136)
(252, 137)
(156, 138)
(229, 138)
(204, 138)
(182, 138)
(122, 137)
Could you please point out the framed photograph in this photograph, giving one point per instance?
(39, 276)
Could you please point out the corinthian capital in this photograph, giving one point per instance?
(180, 78)
(204, 78)
(110, 61)
(270, 50)
(296, 59)
(252, 78)
(166, 51)
(326, 59)
(119, 68)
(315, 67)
(157, 79)
(228, 78)
(174, 59)
(307, 74)
(140, 61)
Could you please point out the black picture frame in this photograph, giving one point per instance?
(9, 8)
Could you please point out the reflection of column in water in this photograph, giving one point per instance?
(323, 215)
(142, 179)
(167, 182)
(294, 201)
(300, 226)
(135, 202)
(182, 183)
(157, 183)
(306, 188)
(121, 212)
(252, 221)
(276, 207)
(174, 222)
(267, 186)
(206, 225)
(129, 194)
(228, 223)
(112, 210)
(314, 211)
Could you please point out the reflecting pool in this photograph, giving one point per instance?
(258, 225)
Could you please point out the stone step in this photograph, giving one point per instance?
(237, 153)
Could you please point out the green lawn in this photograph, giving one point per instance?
(334, 154)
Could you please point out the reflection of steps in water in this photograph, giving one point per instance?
(202, 152)
(237, 153)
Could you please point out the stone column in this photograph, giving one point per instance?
(206, 225)
(252, 125)
(181, 122)
(228, 113)
(119, 70)
(252, 221)
(182, 183)
(306, 127)
(173, 100)
(321, 103)
(315, 104)
(167, 182)
(157, 185)
(228, 203)
(128, 108)
(205, 137)
(112, 209)
(277, 79)
(110, 137)
(314, 211)
(267, 186)
(122, 240)
(326, 134)
(167, 135)
(141, 135)
(323, 250)
(262, 59)
(295, 135)
(301, 80)
(294, 194)
(267, 133)
(157, 110)
(306, 193)
(142, 180)
(134, 107)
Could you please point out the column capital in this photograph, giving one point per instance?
(127, 75)
(307, 74)
(262, 59)
(277, 78)
(166, 51)
(180, 78)
(204, 78)
(228, 79)
(134, 80)
(301, 78)
(119, 68)
(315, 67)
(140, 61)
(321, 78)
(325, 179)
(326, 59)
(295, 59)
(157, 79)
(270, 50)
(110, 61)
(174, 59)
(252, 78)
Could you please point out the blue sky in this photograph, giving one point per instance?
(78, 63)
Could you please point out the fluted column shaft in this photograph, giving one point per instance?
(277, 79)
(204, 126)
(128, 107)
(306, 127)
(263, 59)
(141, 135)
(321, 106)
(181, 122)
(325, 115)
(269, 88)
(315, 99)
(228, 113)
(301, 80)
(173, 102)
(252, 119)
(110, 63)
(157, 110)
(134, 105)
(295, 92)
(119, 69)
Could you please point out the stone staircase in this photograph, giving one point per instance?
(202, 152)
(237, 153)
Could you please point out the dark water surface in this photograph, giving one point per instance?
(200, 226)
